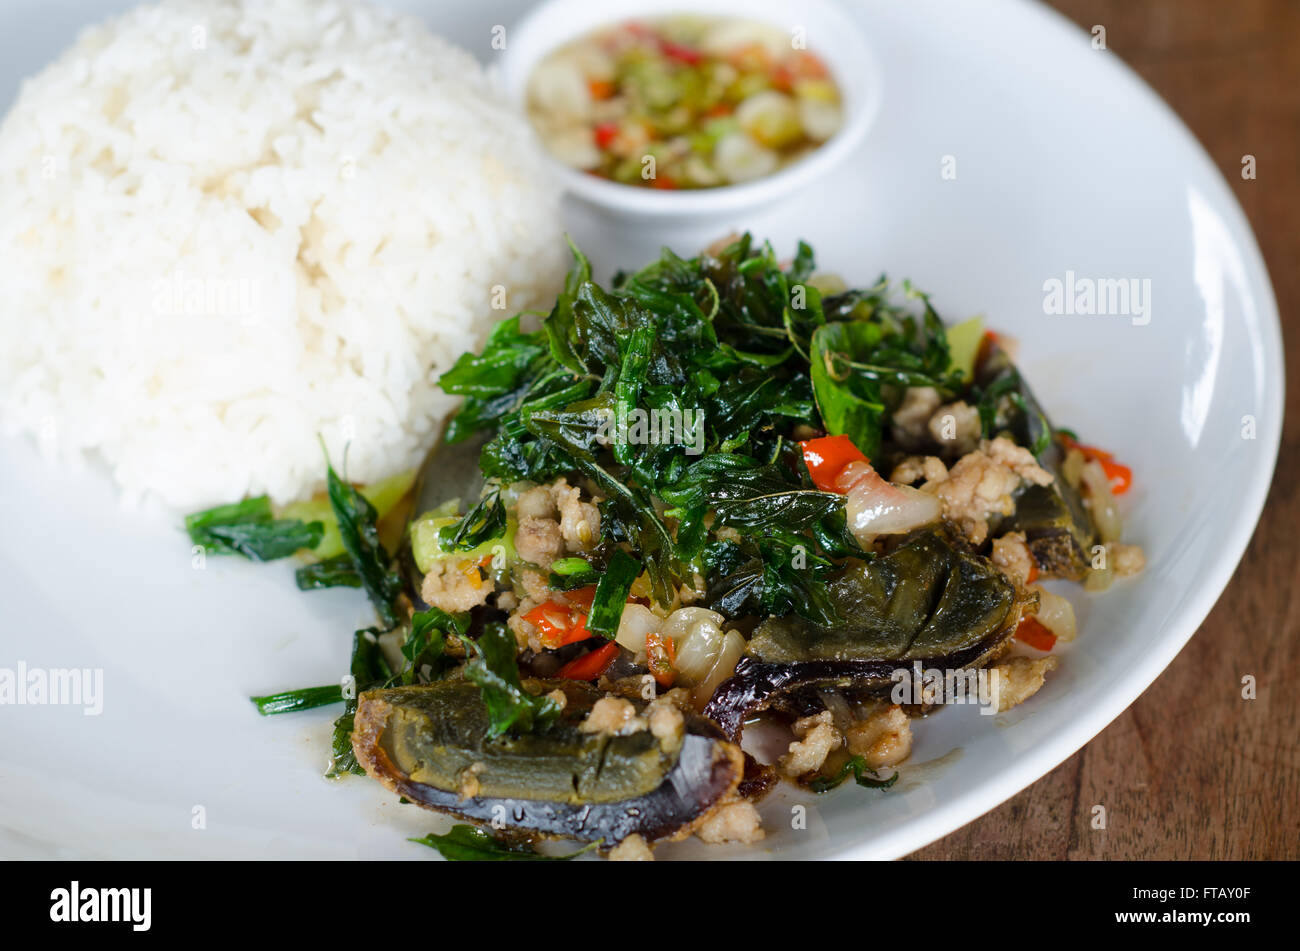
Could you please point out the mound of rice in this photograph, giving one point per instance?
(228, 227)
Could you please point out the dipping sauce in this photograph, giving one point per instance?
(683, 102)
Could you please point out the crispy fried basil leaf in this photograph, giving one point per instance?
(250, 529)
(577, 431)
(746, 494)
(466, 843)
(516, 453)
(763, 498)
(852, 360)
(359, 531)
(336, 572)
(482, 523)
(1005, 402)
(506, 357)
(493, 667)
(426, 643)
(849, 405)
(496, 381)
(778, 573)
(560, 327)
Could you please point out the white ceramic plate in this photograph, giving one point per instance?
(1064, 162)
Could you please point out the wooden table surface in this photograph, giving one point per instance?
(1191, 769)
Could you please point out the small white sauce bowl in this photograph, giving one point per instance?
(832, 36)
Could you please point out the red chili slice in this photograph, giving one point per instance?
(826, 458)
(591, 665)
(1034, 633)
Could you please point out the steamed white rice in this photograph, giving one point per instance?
(228, 227)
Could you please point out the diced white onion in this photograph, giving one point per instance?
(636, 623)
(733, 648)
(1105, 510)
(684, 620)
(697, 652)
(1056, 614)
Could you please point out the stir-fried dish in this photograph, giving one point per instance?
(719, 489)
(683, 102)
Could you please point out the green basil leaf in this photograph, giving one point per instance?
(611, 594)
(862, 774)
(248, 528)
(466, 843)
(359, 531)
(481, 524)
(291, 701)
(336, 572)
(493, 667)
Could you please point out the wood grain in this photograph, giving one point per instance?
(1192, 770)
